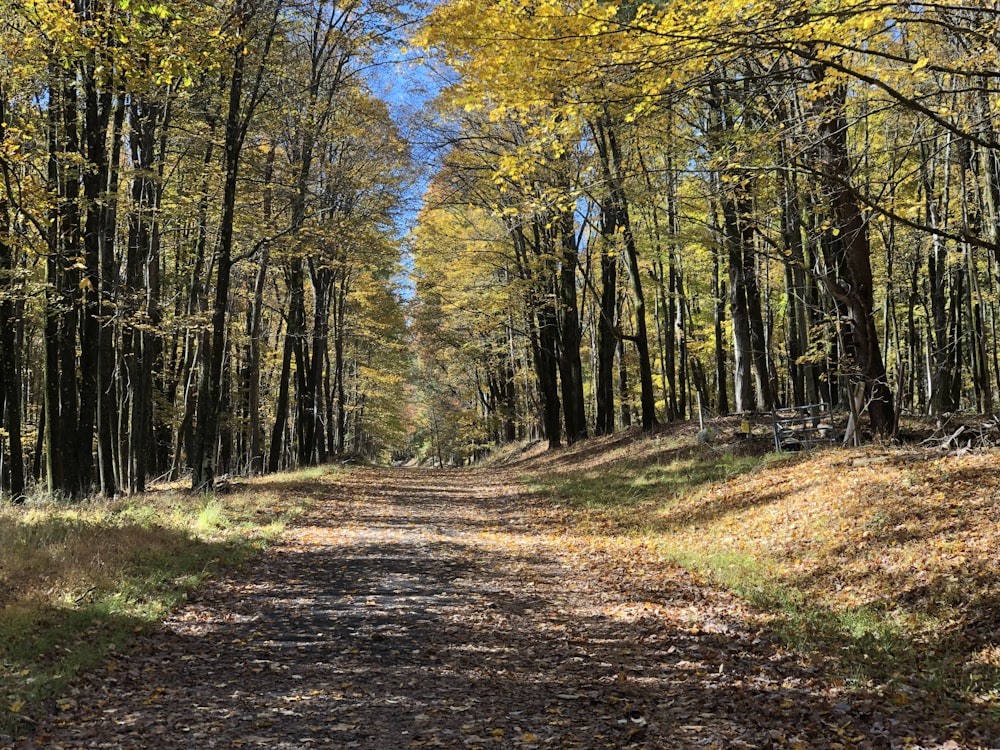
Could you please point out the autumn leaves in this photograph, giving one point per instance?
(615, 166)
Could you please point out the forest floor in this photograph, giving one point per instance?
(465, 608)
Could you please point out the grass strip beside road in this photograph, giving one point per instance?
(79, 581)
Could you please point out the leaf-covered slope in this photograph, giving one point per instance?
(884, 558)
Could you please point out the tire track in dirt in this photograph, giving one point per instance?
(450, 609)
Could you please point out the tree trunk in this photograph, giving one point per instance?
(946, 365)
(570, 367)
(340, 366)
(10, 372)
(194, 338)
(95, 354)
(682, 313)
(62, 449)
(295, 329)
(10, 360)
(855, 289)
(606, 338)
(719, 318)
(737, 239)
(662, 314)
(647, 397)
(606, 323)
(250, 378)
(322, 280)
(210, 389)
(795, 288)
(141, 345)
(734, 237)
(766, 384)
(624, 396)
(238, 116)
(543, 345)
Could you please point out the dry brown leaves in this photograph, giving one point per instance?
(912, 530)
(451, 609)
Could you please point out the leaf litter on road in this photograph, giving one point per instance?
(452, 609)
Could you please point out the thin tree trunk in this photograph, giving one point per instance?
(238, 116)
(607, 247)
(10, 359)
(321, 281)
(98, 106)
(255, 316)
(570, 367)
(736, 234)
(647, 396)
(340, 366)
(62, 449)
(624, 396)
(544, 343)
(210, 388)
(733, 239)
(294, 329)
(719, 317)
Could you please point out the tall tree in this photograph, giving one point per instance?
(251, 23)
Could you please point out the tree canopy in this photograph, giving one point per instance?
(631, 211)
(799, 199)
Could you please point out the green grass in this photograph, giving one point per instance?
(629, 489)
(871, 643)
(78, 582)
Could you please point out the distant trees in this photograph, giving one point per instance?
(640, 210)
(186, 191)
(773, 204)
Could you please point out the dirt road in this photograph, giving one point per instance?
(450, 609)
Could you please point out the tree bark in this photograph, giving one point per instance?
(293, 330)
(210, 390)
(718, 320)
(238, 117)
(855, 289)
(10, 360)
(570, 366)
(606, 320)
(647, 397)
(62, 449)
